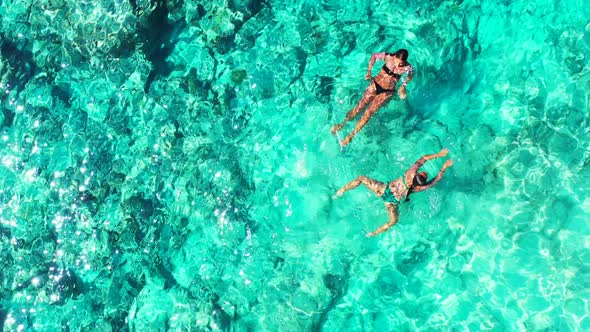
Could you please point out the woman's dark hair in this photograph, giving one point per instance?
(402, 53)
(420, 179)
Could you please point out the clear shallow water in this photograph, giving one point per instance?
(177, 175)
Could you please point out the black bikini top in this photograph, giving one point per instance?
(390, 72)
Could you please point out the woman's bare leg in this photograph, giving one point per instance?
(393, 217)
(368, 95)
(379, 101)
(375, 186)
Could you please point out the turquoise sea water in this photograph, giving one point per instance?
(168, 165)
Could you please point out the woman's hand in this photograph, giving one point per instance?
(339, 193)
(402, 92)
(448, 164)
(443, 152)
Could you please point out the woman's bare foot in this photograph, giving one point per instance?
(336, 128)
(345, 141)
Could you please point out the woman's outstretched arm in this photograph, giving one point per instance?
(411, 172)
(434, 181)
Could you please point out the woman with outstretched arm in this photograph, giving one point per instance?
(395, 191)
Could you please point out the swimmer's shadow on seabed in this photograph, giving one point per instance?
(414, 119)
(398, 120)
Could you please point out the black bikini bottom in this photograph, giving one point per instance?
(379, 89)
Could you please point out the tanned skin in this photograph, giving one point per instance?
(398, 186)
(370, 96)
